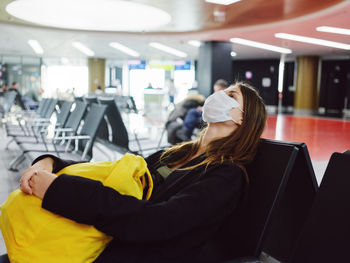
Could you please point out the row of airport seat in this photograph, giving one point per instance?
(90, 118)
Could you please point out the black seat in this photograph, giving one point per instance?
(119, 134)
(244, 232)
(295, 205)
(325, 236)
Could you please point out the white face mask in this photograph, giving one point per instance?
(217, 107)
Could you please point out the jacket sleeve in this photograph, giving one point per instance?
(58, 163)
(129, 219)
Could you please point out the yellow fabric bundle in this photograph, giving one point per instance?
(33, 234)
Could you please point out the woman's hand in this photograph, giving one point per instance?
(40, 182)
(45, 164)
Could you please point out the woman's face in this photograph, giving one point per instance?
(236, 113)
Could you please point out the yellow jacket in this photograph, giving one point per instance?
(33, 234)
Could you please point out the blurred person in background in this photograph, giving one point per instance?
(19, 101)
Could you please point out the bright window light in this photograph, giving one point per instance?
(222, 2)
(84, 49)
(314, 41)
(124, 49)
(101, 15)
(255, 44)
(35, 45)
(335, 30)
(194, 43)
(233, 54)
(64, 60)
(167, 49)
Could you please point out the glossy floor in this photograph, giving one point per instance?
(322, 136)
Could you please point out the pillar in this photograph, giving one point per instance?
(96, 73)
(214, 62)
(306, 91)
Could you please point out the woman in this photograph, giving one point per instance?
(197, 186)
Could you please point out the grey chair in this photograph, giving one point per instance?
(78, 147)
(70, 128)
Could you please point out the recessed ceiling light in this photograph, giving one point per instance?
(233, 54)
(314, 41)
(260, 45)
(194, 43)
(103, 15)
(84, 49)
(335, 30)
(167, 49)
(124, 49)
(35, 45)
(222, 2)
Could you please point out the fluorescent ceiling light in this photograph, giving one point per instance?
(314, 41)
(101, 15)
(335, 30)
(167, 49)
(35, 45)
(222, 2)
(124, 49)
(194, 43)
(84, 49)
(233, 54)
(260, 45)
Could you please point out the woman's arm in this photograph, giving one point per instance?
(127, 218)
(45, 163)
(57, 163)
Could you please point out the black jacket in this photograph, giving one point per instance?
(183, 213)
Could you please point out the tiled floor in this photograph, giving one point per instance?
(322, 136)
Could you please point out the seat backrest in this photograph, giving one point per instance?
(62, 116)
(49, 109)
(117, 127)
(244, 232)
(122, 102)
(294, 207)
(90, 99)
(325, 235)
(132, 104)
(42, 105)
(9, 99)
(91, 124)
(75, 116)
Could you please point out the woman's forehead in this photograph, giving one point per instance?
(234, 88)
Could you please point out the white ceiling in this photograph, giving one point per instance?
(57, 42)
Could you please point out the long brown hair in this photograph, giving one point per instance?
(239, 147)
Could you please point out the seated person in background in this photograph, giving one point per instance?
(177, 116)
(197, 185)
(19, 101)
(192, 119)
